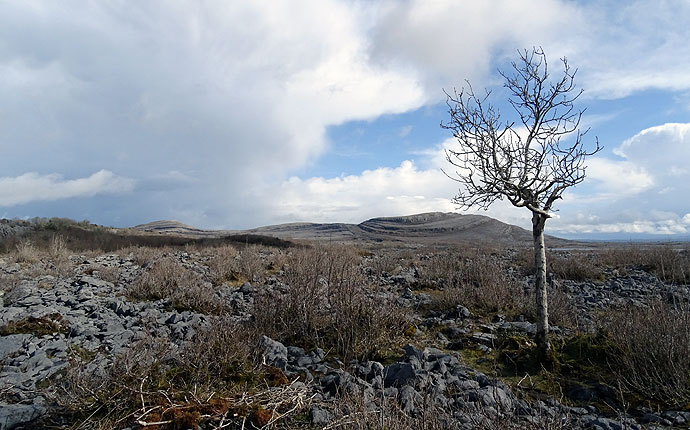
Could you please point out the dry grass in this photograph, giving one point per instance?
(26, 252)
(562, 309)
(670, 264)
(214, 380)
(650, 350)
(477, 279)
(328, 304)
(251, 262)
(571, 265)
(351, 412)
(222, 264)
(185, 289)
(144, 256)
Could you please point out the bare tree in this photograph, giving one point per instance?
(530, 160)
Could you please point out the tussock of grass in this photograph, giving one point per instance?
(185, 289)
(38, 326)
(650, 350)
(330, 305)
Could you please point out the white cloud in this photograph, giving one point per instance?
(623, 48)
(445, 42)
(405, 131)
(31, 187)
(354, 198)
(211, 106)
(618, 179)
(643, 193)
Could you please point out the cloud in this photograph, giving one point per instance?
(211, 107)
(642, 193)
(230, 94)
(444, 42)
(354, 198)
(405, 131)
(31, 187)
(619, 196)
(617, 179)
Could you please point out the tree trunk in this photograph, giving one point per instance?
(542, 338)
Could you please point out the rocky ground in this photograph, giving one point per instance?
(83, 315)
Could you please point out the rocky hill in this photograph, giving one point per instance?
(426, 228)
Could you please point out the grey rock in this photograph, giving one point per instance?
(274, 352)
(411, 351)
(654, 418)
(14, 415)
(247, 288)
(496, 397)
(320, 416)
(95, 282)
(20, 292)
(407, 396)
(399, 374)
(677, 417)
(13, 344)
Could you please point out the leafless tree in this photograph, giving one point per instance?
(529, 160)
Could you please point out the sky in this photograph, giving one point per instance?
(238, 114)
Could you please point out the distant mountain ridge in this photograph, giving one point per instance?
(432, 227)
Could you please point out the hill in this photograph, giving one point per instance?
(426, 228)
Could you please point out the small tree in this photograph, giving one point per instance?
(527, 160)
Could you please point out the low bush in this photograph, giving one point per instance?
(215, 380)
(222, 264)
(328, 304)
(478, 279)
(671, 264)
(571, 265)
(26, 252)
(650, 350)
(185, 289)
(38, 326)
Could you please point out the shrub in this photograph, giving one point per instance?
(650, 350)
(222, 264)
(26, 252)
(328, 304)
(214, 381)
(572, 265)
(669, 263)
(184, 288)
(251, 264)
(476, 279)
(58, 247)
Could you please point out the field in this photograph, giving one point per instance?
(109, 329)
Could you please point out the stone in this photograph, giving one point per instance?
(274, 352)
(399, 374)
(320, 416)
(407, 397)
(14, 415)
(95, 282)
(496, 397)
(13, 344)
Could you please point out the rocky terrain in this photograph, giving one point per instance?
(69, 323)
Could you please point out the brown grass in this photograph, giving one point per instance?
(215, 379)
(167, 279)
(671, 264)
(571, 265)
(477, 279)
(650, 350)
(328, 304)
(26, 252)
(352, 413)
